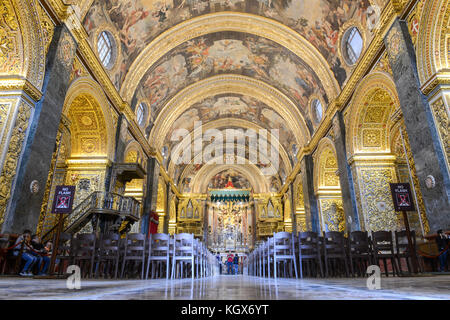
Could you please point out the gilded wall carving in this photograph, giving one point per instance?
(48, 186)
(376, 198)
(47, 27)
(5, 121)
(12, 157)
(88, 127)
(441, 119)
(333, 218)
(11, 52)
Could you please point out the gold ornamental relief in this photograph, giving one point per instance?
(47, 27)
(371, 138)
(333, 214)
(395, 43)
(442, 121)
(376, 199)
(11, 57)
(12, 157)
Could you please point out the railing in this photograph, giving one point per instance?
(102, 203)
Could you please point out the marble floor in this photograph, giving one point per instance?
(226, 287)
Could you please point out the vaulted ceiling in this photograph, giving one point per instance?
(229, 64)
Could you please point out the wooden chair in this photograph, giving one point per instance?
(134, 251)
(335, 253)
(158, 252)
(10, 263)
(360, 252)
(383, 248)
(309, 251)
(84, 251)
(284, 252)
(402, 249)
(183, 251)
(108, 254)
(64, 254)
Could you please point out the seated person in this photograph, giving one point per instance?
(41, 254)
(24, 241)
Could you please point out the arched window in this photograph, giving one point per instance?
(352, 45)
(317, 110)
(140, 113)
(105, 48)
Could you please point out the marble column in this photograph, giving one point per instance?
(119, 155)
(311, 209)
(25, 206)
(345, 175)
(424, 140)
(151, 194)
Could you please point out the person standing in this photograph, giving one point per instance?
(219, 261)
(230, 263)
(153, 223)
(236, 264)
(442, 241)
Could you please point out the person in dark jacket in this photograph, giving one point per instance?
(442, 241)
(236, 263)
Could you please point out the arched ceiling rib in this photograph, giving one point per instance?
(229, 84)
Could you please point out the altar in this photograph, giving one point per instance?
(230, 219)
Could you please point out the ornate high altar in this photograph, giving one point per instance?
(231, 227)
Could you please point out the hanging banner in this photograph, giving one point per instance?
(402, 197)
(63, 201)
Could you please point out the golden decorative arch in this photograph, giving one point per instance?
(228, 21)
(249, 171)
(134, 153)
(368, 126)
(326, 167)
(244, 124)
(433, 54)
(22, 40)
(236, 84)
(92, 126)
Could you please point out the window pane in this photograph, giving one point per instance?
(104, 48)
(354, 45)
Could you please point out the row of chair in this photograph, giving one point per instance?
(332, 254)
(159, 256)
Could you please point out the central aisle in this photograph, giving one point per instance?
(229, 288)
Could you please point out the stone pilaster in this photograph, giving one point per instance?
(345, 175)
(424, 139)
(25, 206)
(151, 193)
(293, 215)
(311, 209)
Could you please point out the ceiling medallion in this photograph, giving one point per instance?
(34, 187)
(430, 182)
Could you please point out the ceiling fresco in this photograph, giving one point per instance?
(138, 22)
(231, 53)
(234, 106)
